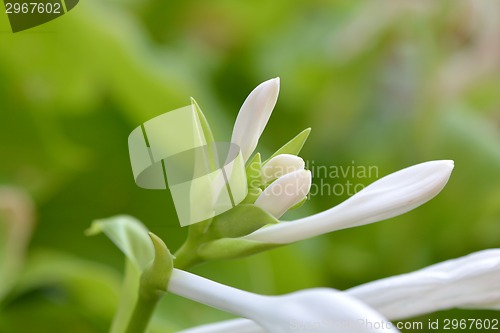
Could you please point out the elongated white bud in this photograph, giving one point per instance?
(254, 115)
(390, 196)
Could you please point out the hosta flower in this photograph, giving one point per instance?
(390, 196)
(281, 183)
(472, 281)
(313, 310)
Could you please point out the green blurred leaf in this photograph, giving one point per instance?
(90, 289)
(16, 226)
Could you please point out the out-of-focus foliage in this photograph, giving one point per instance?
(382, 83)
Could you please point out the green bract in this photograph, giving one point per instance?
(148, 269)
(293, 146)
(219, 239)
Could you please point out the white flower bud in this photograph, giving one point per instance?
(254, 115)
(280, 165)
(390, 196)
(285, 192)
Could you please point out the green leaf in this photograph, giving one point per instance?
(293, 146)
(132, 238)
(240, 221)
(129, 235)
(204, 122)
(254, 172)
(148, 269)
(91, 288)
(230, 248)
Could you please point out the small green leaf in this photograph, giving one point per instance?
(230, 248)
(240, 221)
(209, 137)
(254, 172)
(293, 146)
(207, 132)
(129, 235)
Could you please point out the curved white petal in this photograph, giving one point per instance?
(280, 165)
(199, 289)
(472, 281)
(312, 310)
(253, 116)
(323, 310)
(239, 325)
(390, 196)
(285, 192)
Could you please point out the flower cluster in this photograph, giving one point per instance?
(275, 186)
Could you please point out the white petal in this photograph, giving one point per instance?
(280, 165)
(322, 310)
(253, 116)
(313, 310)
(390, 196)
(214, 294)
(472, 281)
(227, 326)
(285, 192)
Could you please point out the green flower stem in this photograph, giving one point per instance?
(143, 311)
(127, 299)
(153, 284)
(186, 256)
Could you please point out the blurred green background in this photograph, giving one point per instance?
(386, 83)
